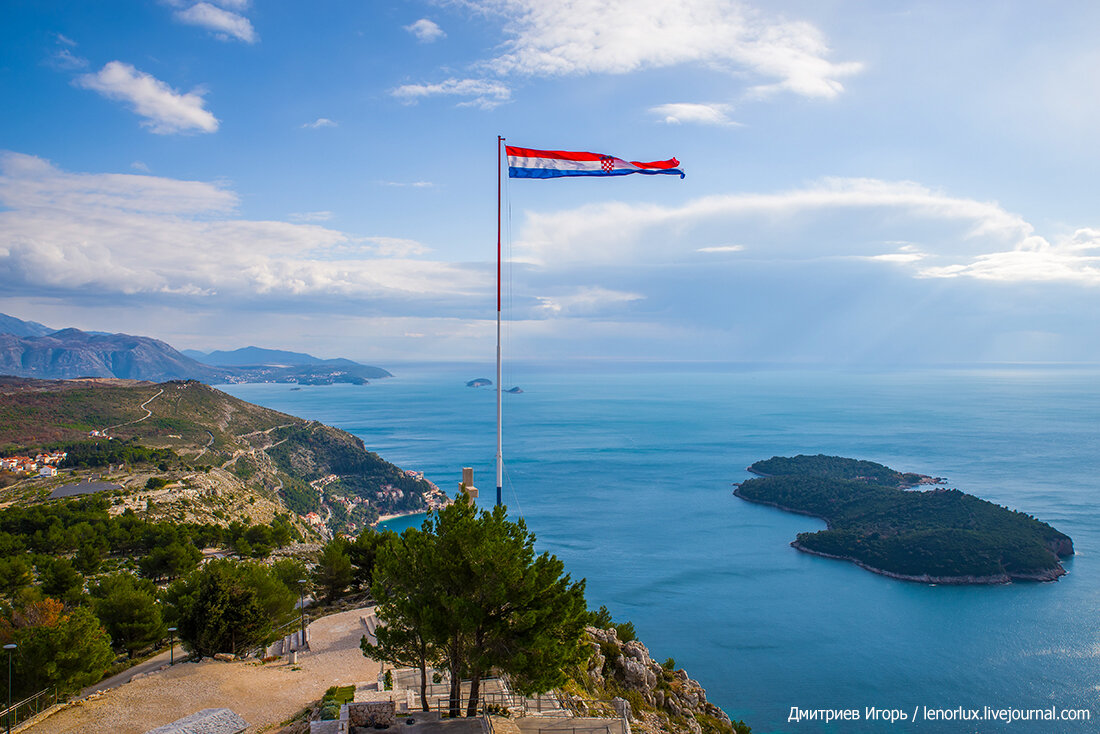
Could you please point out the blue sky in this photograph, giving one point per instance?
(884, 183)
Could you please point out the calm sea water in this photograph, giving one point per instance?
(625, 474)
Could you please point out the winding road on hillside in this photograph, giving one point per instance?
(143, 407)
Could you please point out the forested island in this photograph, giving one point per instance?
(934, 536)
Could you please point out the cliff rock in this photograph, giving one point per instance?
(668, 698)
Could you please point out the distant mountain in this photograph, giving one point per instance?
(73, 353)
(70, 353)
(18, 327)
(255, 356)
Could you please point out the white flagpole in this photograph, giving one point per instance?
(500, 453)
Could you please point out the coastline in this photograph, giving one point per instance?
(1052, 574)
(386, 518)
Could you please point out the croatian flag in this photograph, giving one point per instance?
(529, 163)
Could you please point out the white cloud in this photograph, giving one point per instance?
(396, 247)
(67, 60)
(165, 110)
(584, 301)
(62, 38)
(320, 122)
(140, 166)
(702, 114)
(130, 234)
(576, 37)
(412, 184)
(311, 216)
(426, 30)
(834, 218)
(486, 93)
(722, 248)
(1033, 260)
(225, 24)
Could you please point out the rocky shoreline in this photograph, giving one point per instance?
(1052, 574)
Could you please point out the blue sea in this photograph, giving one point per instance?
(625, 473)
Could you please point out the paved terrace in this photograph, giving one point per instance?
(263, 695)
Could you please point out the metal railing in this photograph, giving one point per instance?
(29, 707)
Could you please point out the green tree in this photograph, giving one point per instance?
(60, 580)
(170, 561)
(333, 573)
(15, 574)
(363, 552)
(290, 571)
(486, 601)
(227, 606)
(69, 650)
(127, 607)
(407, 605)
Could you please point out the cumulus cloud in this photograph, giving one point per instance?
(319, 122)
(702, 114)
(945, 236)
(224, 24)
(426, 30)
(133, 234)
(165, 110)
(484, 93)
(576, 37)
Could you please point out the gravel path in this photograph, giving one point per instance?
(263, 695)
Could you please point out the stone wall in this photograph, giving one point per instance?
(369, 713)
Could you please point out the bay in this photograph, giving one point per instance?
(625, 472)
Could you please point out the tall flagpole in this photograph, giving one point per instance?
(500, 443)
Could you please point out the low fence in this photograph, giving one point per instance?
(29, 707)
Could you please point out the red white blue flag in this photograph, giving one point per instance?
(530, 163)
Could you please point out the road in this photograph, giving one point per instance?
(139, 420)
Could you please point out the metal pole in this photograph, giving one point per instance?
(302, 611)
(500, 454)
(171, 645)
(10, 647)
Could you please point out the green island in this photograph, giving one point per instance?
(936, 535)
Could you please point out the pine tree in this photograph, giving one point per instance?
(471, 588)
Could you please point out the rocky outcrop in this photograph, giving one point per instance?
(627, 667)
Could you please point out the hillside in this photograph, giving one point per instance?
(940, 535)
(230, 456)
(71, 353)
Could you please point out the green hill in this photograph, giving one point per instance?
(229, 455)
